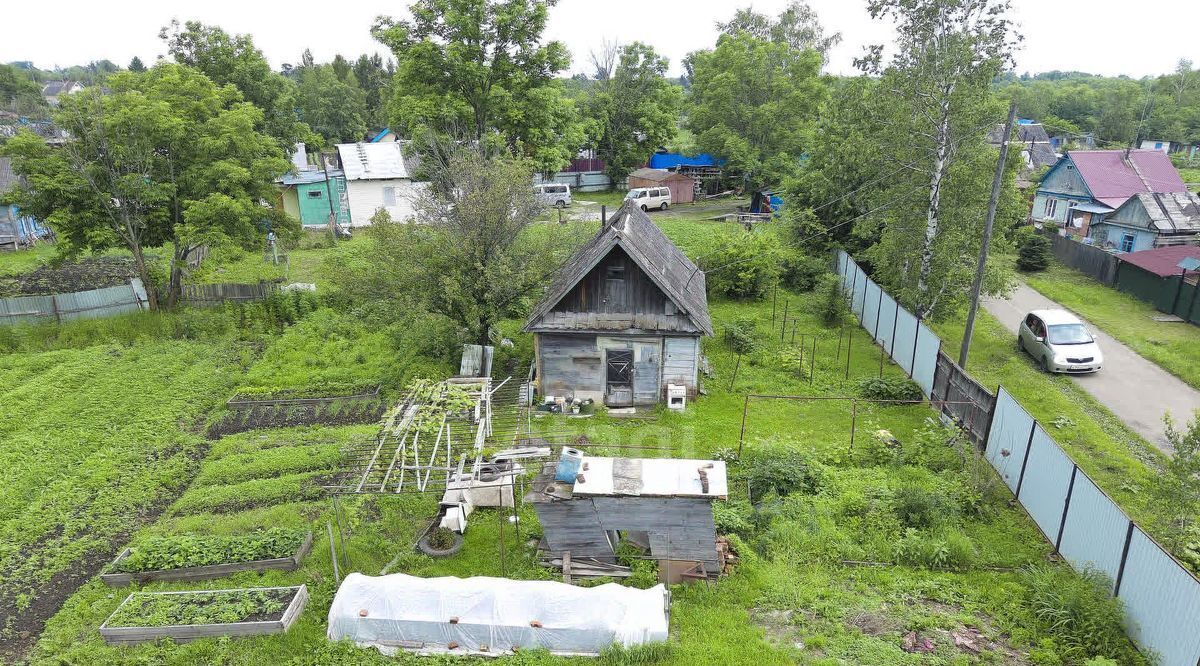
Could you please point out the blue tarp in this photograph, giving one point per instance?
(672, 160)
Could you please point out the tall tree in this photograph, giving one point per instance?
(938, 110)
(753, 102)
(373, 78)
(136, 65)
(234, 60)
(797, 26)
(1179, 488)
(471, 258)
(18, 91)
(635, 109)
(162, 157)
(478, 66)
(332, 107)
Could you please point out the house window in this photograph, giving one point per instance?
(314, 194)
(1127, 242)
(389, 196)
(1051, 208)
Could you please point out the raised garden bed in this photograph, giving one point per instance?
(192, 615)
(119, 574)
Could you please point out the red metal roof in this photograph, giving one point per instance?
(1113, 180)
(1162, 261)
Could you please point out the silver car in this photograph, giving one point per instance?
(1059, 342)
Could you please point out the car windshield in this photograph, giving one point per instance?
(1069, 334)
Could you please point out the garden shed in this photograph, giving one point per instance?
(494, 616)
(664, 502)
(683, 188)
(622, 319)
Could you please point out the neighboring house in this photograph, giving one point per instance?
(683, 188)
(622, 319)
(1152, 144)
(1149, 220)
(311, 196)
(377, 178)
(55, 90)
(705, 169)
(1086, 185)
(16, 230)
(585, 173)
(1036, 148)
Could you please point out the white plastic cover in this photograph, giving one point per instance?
(494, 614)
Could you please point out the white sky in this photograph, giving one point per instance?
(1098, 36)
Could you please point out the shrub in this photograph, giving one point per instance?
(744, 269)
(1033, 254)
(732, 517)
(835, 305)
(743, 335)
(782, 470)
(890, 388)
(1077, 609)
(949, 550)
(917, 507)
(800, 272)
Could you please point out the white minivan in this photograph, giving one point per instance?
(648, 198)
(553, 194)
(1059, 342)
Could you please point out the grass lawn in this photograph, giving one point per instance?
(23, 261)
(1173, 346)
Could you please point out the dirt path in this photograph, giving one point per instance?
(1135, 389)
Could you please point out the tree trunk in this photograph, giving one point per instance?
(175, 285)
(140, 261)
(937, 173)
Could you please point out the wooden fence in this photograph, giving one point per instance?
(963, 399)
(90, 304)
(215, 294)
(1087, 259)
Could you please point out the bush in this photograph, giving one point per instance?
(782, 470)
(1033, 254)
(949, 550)
(743, 335)
(744, 269)
(802, 273)
(919, 508)
(835, 306)
(890, 388)
(1077, 609)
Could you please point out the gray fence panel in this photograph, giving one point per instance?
(26, 309)
(906, 339)
(871, 307)
(1008, 438)
(840, 263)
(887, 322)
(858, 298)
(1094, 534)
(1162, 601)
(925, 366)
(1047, 477)
(97, 303)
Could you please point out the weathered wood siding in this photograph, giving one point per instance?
(679, 528)
(570, 364)
(616, 295)
(681, 361)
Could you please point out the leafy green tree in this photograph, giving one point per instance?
(474, 257)
(634, 109)
(477, 67)
(161, 158)
(18, 91)
(1179, 487)
(1033, 254)
(234, 60)
(334, 108)
(933, 115)
(136, 65)
(753, 102)
(374, 79)
(797, 26)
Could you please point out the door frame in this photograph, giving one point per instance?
(608, 383)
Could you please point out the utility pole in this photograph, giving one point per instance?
(997, 181)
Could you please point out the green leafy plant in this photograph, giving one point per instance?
(781, 470)
(835, 304)
(1033, 254)
(802, 273)
(890, 389)
(177, 552)
(1078, 610)
(221, 607)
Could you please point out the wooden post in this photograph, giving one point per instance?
(603, 215)
(786, 304)
(736, 367)
(849, 344)
(742, 436)
(853, 420)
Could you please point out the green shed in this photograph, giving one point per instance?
(310, 197)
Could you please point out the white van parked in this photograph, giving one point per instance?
(648, 198)
(553, 194)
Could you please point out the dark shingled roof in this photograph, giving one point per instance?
(634, 232)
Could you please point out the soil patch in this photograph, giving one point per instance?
(84, 275)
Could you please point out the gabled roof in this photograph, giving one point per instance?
(1170, 212)
(632, 230)
(308, 176)
(372, 161)
(1112, 178)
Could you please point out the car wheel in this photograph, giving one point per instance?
(663, 206)
(644, 209)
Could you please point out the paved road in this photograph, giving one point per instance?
(1135, 389)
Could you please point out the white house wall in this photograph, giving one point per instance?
(366, 197)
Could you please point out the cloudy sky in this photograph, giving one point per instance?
(1099, 36)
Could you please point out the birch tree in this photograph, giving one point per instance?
(938, 109)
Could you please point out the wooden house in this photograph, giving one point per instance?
(378, 177)
(1149, 220)
(623, 318)
(683, 188)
